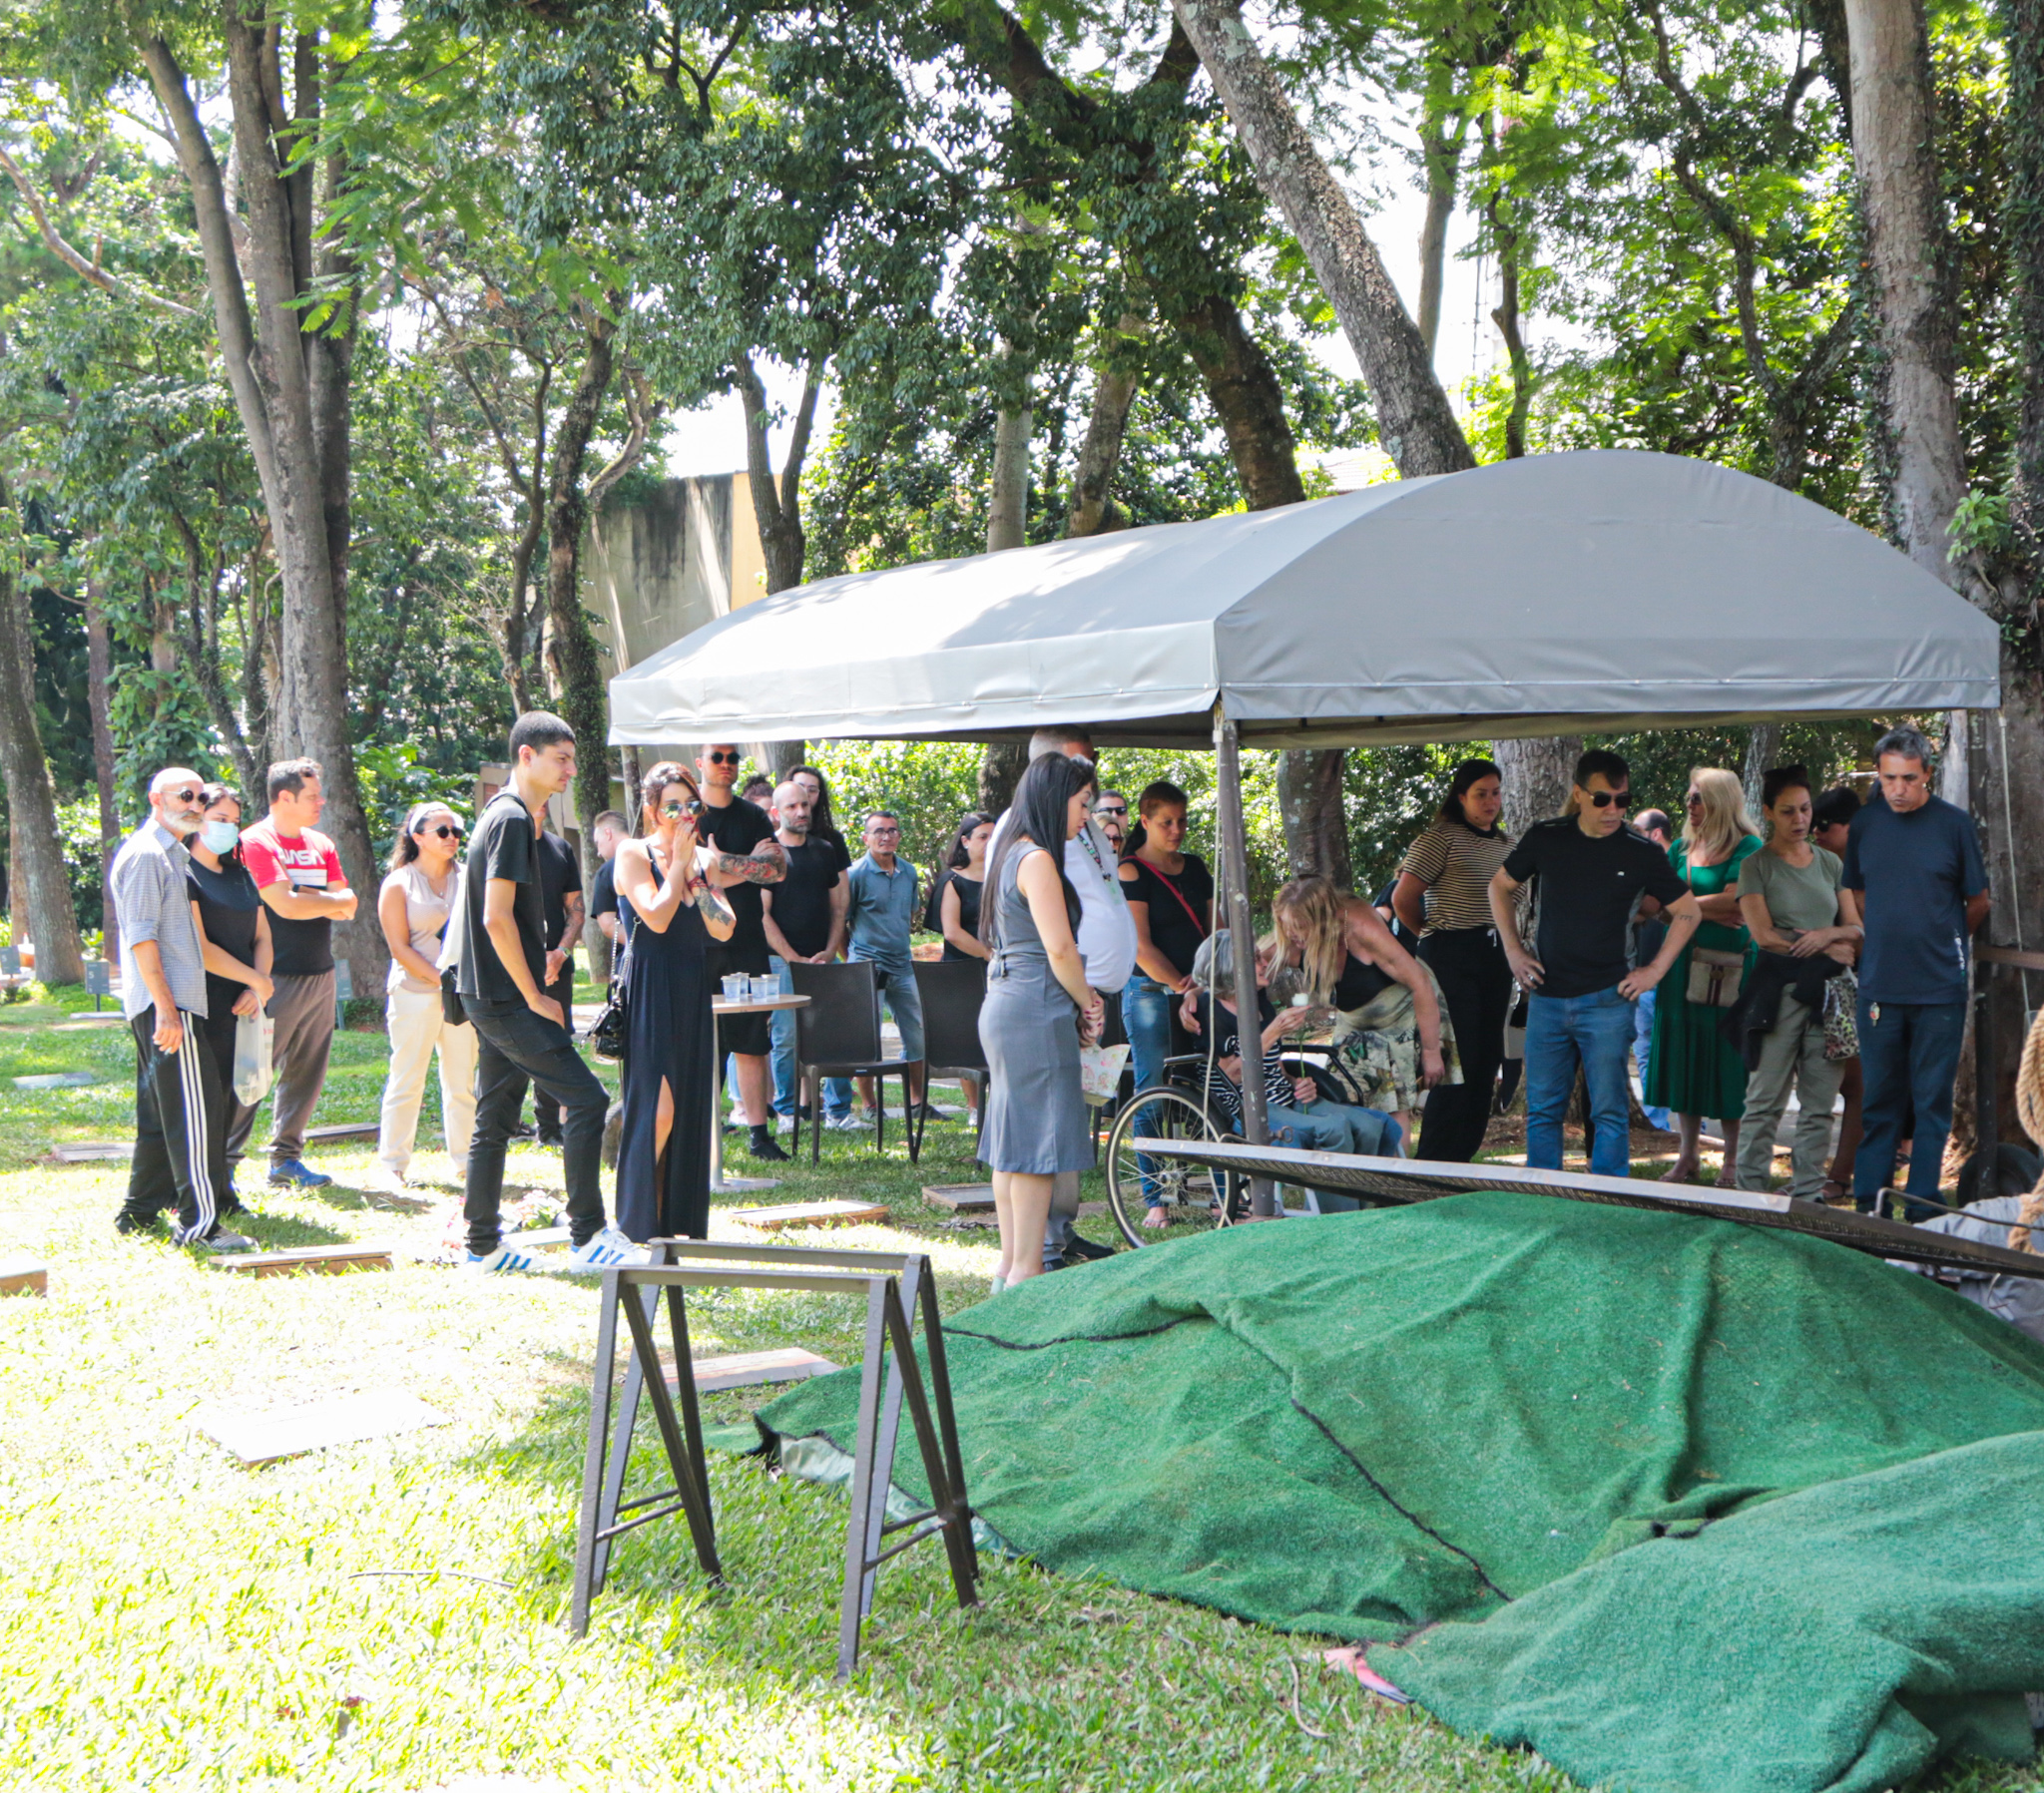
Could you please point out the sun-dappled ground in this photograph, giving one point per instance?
(389, 1615)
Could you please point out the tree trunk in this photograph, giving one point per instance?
(33, 848)
(1414, 420)
(783, 757)
(99, 671)
(1443, 157)
(1310, 799)
(1505, 316)
(1000, 772)
(1007, 511)
(289, 369)
(1763, 750)
(1094, 511)
(1908, 272)
(574, 659)
(1536, 777)
(776, 508)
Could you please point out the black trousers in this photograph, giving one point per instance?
(222, 1024)
(1476, 979)
(546, 1112)
(180, 1124)
(515, 1050)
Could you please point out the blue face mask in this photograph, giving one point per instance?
(220, 837)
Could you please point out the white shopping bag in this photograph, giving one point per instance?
(1100, 1072)
(253, 1035)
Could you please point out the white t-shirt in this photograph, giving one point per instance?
(1107, 931)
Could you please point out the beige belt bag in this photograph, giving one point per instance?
(1713, 977)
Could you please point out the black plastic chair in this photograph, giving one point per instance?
(839, 1035)
(952, 991)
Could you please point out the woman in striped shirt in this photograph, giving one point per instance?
(1442, 895)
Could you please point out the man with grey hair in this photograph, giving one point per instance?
(180, 1110)
(1107, 943)
(1915, 861)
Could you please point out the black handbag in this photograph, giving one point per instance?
(607, 1033)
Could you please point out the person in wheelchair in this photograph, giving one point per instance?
(1298, 1110)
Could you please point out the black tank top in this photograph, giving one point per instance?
(1360, 984)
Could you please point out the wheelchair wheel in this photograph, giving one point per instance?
(1196, 1200)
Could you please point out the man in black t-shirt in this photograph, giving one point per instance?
(1593, 870)
(560, 889)
(804, 917)
(747, 857)
(522, 1035)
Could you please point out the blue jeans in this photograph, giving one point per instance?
(1145, 1018)
(1333, 1127)
(1911, 1055)
(1595, 1031)
(1643, 1047)
(782, 1056)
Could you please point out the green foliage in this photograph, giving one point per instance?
(78, 825)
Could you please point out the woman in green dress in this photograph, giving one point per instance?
(1691, 1069)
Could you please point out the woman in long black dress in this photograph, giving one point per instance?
(670, 1060)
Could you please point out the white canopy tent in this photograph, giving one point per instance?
(1559, 594)
(1562, 593)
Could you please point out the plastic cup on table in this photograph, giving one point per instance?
(735, 987)
(766, 989)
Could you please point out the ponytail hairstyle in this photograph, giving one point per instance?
(210, 795)
(406, 850)
(958, 854)
(1041, 800)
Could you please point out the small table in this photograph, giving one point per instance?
(719, 1185)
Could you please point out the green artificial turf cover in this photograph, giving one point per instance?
(1679, 1502)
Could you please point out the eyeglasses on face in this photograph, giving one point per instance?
(1602, 799)
(443, 830)
(718, 756)
(879, 829)
(1695, 799)
(187, 795)
(1111, 809)
(675, 806)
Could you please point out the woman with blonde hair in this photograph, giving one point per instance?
(1392, 1037)
(1692, 1070)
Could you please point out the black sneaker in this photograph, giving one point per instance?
(1083, 1251)
(765, 1149)
(129, 1222)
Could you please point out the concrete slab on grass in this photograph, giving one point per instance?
(316, 1261)
(744, 1369)
(263, 1438)
(349, 1130)
(23, 1276)
(58, 1079)
(93, 1152)
(959, 1198)
(809, 1214)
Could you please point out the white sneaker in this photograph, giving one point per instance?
(609, 1250)
(505, 1257)
(849, 1124)
(380, 1179)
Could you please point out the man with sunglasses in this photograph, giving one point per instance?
(297, 875)
(1593, 872)
(747, 857)
(1110, 816)
(179, 1108)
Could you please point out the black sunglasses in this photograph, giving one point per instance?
(1111, 809)
(1602, 799)
(717, 758)
(188, 796)
(1693, 799)
(443, 830)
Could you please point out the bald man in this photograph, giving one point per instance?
(180, 1112)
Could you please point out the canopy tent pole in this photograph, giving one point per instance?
(1235, 885)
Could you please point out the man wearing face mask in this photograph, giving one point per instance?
(180, 1115)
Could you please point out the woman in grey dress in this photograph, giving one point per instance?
(1038, 1006)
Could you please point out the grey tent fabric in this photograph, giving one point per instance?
(1600, 590)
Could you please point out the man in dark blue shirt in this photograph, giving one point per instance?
(1915, 861)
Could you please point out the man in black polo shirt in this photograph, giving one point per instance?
(1592, 869)
(521, 1032)
(560, 889)
(747, 857)
(804, 917)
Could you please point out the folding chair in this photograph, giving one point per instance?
(952, 991)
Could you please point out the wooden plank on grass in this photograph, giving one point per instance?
(809, 1214)
(744, 1369)
(350, 1130)
(959, 1196)
(93, 1151)
(261, 1438)
(316, 1261)
(21, 1276)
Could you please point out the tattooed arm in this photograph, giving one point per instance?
(765, 864)
(711, 902)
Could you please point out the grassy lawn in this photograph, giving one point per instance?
(390, 1616)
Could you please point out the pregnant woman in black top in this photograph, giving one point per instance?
(234, 921)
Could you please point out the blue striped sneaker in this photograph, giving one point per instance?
(296, 1174)
(505, 1257)
(609, 1250)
